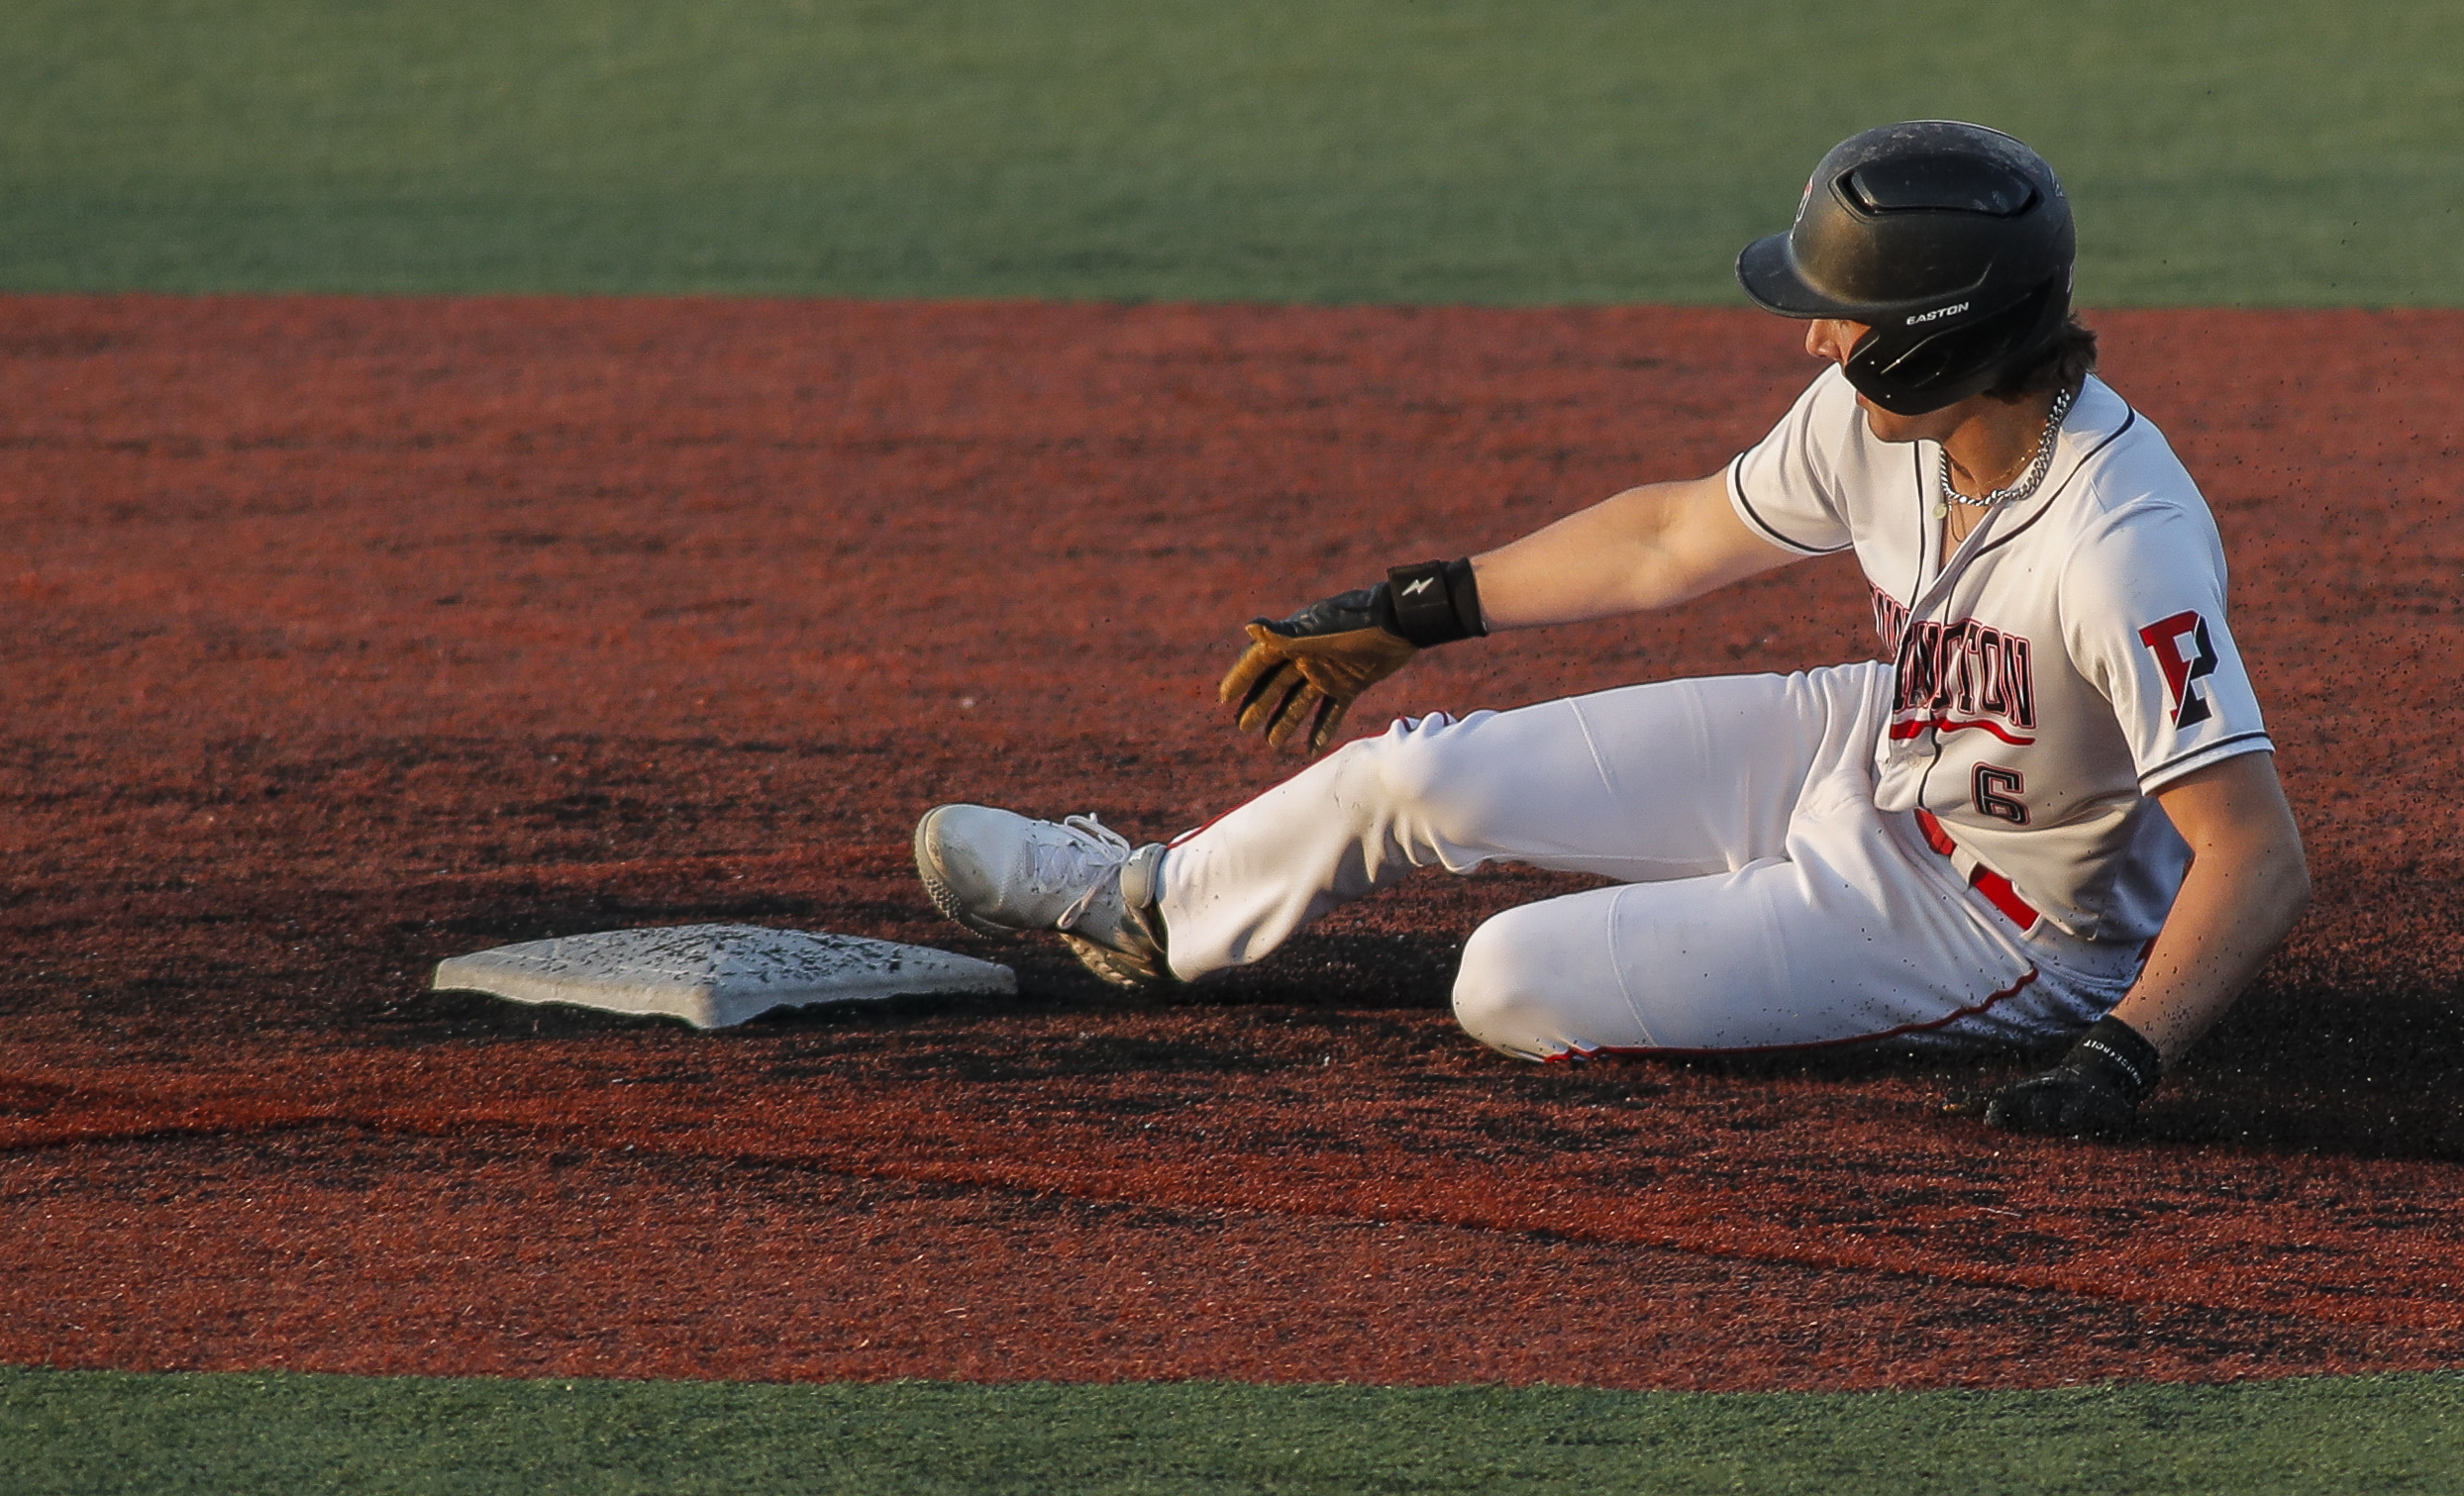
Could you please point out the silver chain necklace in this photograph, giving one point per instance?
(2036, 468)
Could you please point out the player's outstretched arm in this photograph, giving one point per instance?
(1648, 548)
(2244, 889)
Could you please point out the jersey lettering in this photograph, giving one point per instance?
(2183, 672)
(1889, 617)
(1954, 676)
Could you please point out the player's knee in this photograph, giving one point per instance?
(1415, 765)
(1502, 990)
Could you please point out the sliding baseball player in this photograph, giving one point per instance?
(2048, 815)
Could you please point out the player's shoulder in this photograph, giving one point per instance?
(2116, 471)
(2128, 510)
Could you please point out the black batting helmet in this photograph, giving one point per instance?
(1952, 241)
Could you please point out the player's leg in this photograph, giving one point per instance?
(1859, 932)
(1657, 781)
(1665, 782)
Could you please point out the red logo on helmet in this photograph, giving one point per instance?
(2183, 671)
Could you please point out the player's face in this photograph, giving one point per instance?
(1834, 339)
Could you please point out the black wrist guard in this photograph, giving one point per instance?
(1436, 602)
(2125, 1059)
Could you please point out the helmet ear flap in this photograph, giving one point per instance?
(1909, 376)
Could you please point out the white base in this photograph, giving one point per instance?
(716, 975)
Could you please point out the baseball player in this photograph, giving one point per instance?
(2050, 812)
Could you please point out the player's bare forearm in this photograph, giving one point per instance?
(2243, 892)
(2246, 887)
(1647, 548)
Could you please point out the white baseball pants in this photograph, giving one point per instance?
(1762, 900)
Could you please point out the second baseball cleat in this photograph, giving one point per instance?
(998, 874)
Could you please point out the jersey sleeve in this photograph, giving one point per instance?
(2143, 606)
(1787, 487)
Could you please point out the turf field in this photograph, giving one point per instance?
(2298, 153)
(278, 1435)
(2293, 154)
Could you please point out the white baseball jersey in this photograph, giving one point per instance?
(2067, 660)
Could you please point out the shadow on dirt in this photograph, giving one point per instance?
(2290, 1069)
(2375, 1075)
(2301, 1065)
(425, 1017)
(1344, 971)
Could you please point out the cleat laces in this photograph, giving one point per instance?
(1093, 852)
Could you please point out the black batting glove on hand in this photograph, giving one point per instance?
(2093, 1092)
(1308, 668)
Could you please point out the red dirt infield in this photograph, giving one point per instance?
(343, 636)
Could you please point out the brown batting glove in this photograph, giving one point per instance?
(1308, 668)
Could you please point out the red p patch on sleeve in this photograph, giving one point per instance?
(2164, 637)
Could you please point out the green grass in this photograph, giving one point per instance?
(2299, 151)
(270, 1433)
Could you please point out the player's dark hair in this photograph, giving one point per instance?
(2062, 364)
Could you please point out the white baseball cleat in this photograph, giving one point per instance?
(998, 874)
